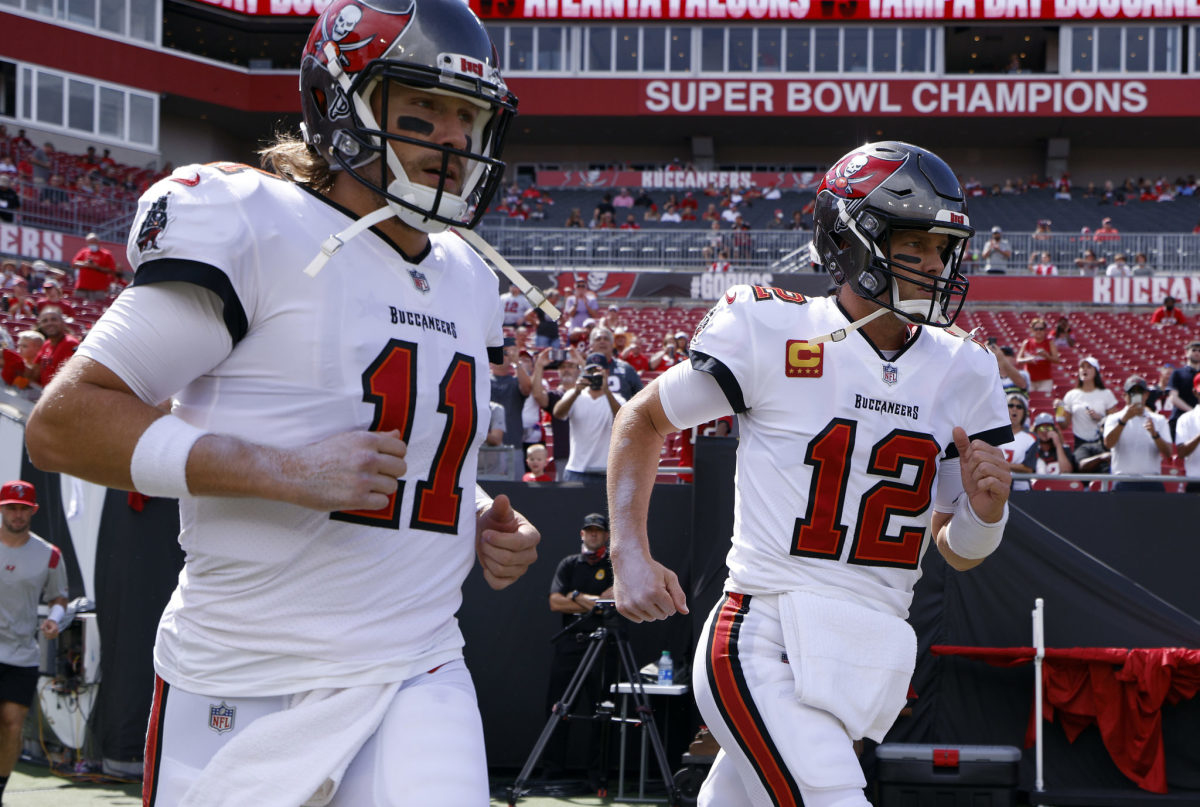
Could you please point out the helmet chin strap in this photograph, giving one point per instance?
(331, 245)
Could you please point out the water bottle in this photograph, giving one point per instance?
(666, 669)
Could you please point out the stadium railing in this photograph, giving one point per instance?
(667, 249)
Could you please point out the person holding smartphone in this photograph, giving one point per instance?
(589, 407)
(1138, 438)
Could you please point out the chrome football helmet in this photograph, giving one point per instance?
(873, 191)
(359, 48)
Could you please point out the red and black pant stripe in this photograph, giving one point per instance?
(154, 740)
(736, 704)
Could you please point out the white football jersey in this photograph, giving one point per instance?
(276, 598)
(840, 446)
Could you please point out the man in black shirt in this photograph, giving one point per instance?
(579, 581)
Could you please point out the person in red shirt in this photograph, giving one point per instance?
(1036, 355)
(52, 295)
(59, 345)
(1106, 231)
(1168, 314)
(537, 458)
(95, 268)
(634, 356)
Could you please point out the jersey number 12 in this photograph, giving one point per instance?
(821, 533)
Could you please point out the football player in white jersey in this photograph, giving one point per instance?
(868, 431)
(326, 397)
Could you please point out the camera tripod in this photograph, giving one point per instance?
(610, 627)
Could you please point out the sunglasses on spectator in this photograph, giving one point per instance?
(1016, 406)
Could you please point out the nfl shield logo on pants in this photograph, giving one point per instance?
(220, 718)
(890, 374)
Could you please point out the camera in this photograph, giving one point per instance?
(595, 380)
(557, 356)
(603, 607)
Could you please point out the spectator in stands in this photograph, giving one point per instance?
(1138, 438)
(1036, 355)
(95, 270)
(711, 214)
(645, 200)
(516, 307)
(777, 222)
(55, 193)
(546, 332)
(1187, 439)
(798, 220)
(1106, 231)
(996, 253)
(1167, 314)
(1042, 231)
(42, 161)
(602, 349)
(1089, 264)
(1014, 452)
(574, 218)
(21, 370)
(604, 221)
(510, 386)
(633, 355)
(668, 356)
(582, 304)
(7, 167)
(605, 206)
(1012, 376)
(495, 432)
(1047, 454)
(623, 199)
(631, 223)
(52, 295)
(1087, 405)
(1062, 333)
(10, 200)
(1119, 267)
(670, 215)
(1141, 266)
(1160, 394)
(547, 399)
(1182, 390)
(59, 345)
(17, 302)
(613, 319)
(536, 459)
(1041, 264)
(590, 406)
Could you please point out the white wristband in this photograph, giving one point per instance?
(56, 613)
(970, 538)
(159, 464)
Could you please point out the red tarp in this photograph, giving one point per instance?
(1120, 690)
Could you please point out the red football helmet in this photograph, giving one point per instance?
(358, 47)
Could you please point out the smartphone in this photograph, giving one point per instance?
(1137, 399)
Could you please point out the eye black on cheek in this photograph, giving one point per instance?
(415, 125)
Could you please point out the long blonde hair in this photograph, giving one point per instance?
(294, 160)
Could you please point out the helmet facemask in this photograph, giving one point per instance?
(864, 261)
(356, 149)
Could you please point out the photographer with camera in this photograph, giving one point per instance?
(589, 407)
(1138, 438)
(581, 579)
